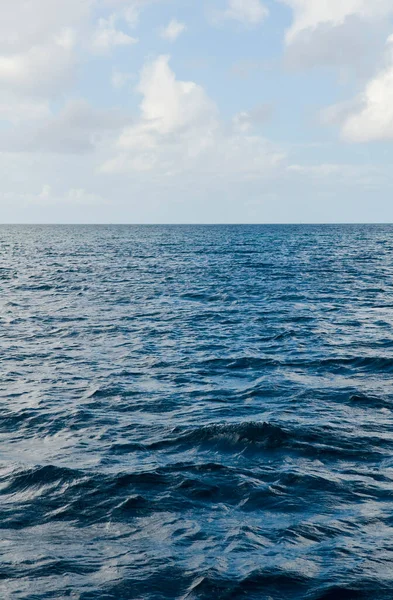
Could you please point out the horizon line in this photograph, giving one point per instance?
(199, 224)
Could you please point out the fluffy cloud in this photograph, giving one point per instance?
(309, 14)
(172, 31)
(41, 41)
(40, 71)
(26, 24)
(370, 116)
(348, 34)
(177, 144)
(173, 113)
(37, 44)
(179, 130)
(338, 32)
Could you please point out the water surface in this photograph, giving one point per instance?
(196, 412)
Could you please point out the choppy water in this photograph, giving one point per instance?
(196, 412)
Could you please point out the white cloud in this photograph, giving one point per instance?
(309, 14)
(16, 110)
(168, 104)
(343, 33)
(48, 197)
(179, 130)
(247, 12)
(370, 116)
(171, 110)
(245, 120)
(74, 196)
(178, 145)
(107, 35)
(77, 129)
(41, 42)
(41, 71)
(332, 174)
(26, 24)
(133, 8)
(173, 30)
(38, 40)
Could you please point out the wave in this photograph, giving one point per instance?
(170, 582)
(362, 591)
(376, 364)
(248, 433)
(366, 401)
(196, 413)
(265, 437)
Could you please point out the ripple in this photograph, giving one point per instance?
(196, 412)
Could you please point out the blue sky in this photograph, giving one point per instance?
(185, 111)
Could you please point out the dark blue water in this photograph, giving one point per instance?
(196, 412)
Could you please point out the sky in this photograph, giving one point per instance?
(196, 111)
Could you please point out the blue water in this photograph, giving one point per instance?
(196, 412)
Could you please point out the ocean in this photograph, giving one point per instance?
(196, 412)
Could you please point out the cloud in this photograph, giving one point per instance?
(332, 172)
(340, 33)
(172, 31)
(179, 130)
(247, 119)
(43, 41)
(178, 149)
(170, 105)
(247, 12)
(171, 111)
(74, 196)
(24, 25)
(40, 71)
(38, 41)
(48, 197)
(309, 14)
(107, 35)
(369, 117)
(77, 129)
(349, 34)
(16, 111)
(131, 10)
